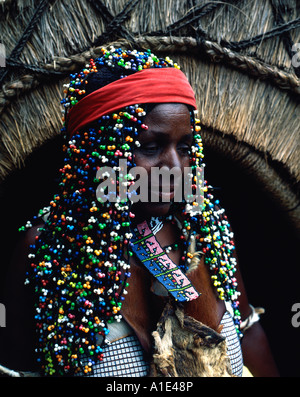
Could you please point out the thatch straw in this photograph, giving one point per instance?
(247, 91)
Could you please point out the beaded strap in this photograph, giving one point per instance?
(155, 259)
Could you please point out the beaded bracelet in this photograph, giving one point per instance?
(253, 318)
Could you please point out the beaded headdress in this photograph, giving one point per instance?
(150, 85)
(78, 263)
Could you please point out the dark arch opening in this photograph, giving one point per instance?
(266, 243)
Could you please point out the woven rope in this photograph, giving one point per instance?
(62, 66)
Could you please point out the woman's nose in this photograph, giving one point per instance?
(171, 158)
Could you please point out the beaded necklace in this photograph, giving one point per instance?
(80, 264)
(215, 241)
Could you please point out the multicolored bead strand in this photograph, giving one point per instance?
(215, 241)
(211, 230)
(82, 273)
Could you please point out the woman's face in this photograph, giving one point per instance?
(166, 143)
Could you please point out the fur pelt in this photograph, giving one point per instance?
(184, 347)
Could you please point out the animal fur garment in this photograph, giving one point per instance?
(184, 346)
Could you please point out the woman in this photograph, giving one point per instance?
(108, 257)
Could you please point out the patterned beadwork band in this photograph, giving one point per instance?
(166, 85)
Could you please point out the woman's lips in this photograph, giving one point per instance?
(166, 197)
(159, 194)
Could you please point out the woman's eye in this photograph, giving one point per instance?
(156, 147)
(186, 149)
(149, 148)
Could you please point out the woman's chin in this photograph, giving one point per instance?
(144, 211)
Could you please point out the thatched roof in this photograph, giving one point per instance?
(238, 55)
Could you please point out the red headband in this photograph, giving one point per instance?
(157, 85)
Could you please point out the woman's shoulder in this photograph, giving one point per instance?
(19, 262)
(30, 236)
(17, 338)
(29, 233)
(25, 242)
